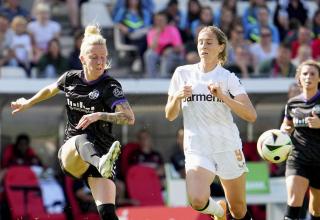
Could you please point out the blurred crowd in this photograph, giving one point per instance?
(263, 41)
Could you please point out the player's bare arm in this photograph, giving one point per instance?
(23, 104)
(240, 104)
(287, 126)
(123, 115)
(173, 104)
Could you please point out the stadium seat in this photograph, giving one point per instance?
(120, 45)
(24, 195)
(250, 151)
(95, 12)
(143, 184)
(126, 152)
(76, 212)
(12, 72)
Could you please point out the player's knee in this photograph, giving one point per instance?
(238, 210)
(198, 201)
(107, 212)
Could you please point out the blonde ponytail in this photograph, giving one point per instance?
(92, 36)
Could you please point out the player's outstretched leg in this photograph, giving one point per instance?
(107, 161)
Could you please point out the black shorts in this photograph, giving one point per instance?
(92, 171)
(310, 172)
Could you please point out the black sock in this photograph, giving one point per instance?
(315, 217)
(107, 211)
(292, 213)
(246, 217)
(86, 150)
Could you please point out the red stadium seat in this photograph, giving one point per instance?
(24, 195)
(250, 151)
(126, 151)
(143, 184)
(77, 214)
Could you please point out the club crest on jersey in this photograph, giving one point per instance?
(117, 92)
(94, 94)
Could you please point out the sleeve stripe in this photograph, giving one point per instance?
(118, 102)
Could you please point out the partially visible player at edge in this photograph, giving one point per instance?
(95, 101)
(302, 121)
(207, 93)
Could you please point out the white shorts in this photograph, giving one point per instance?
(226, 165)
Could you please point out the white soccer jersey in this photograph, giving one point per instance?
(208, 122)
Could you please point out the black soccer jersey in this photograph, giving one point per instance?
(306, 141)
(83, 97)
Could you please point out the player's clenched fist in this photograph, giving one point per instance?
(184, 92)
(215, 90)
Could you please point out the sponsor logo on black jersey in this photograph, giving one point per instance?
(94, 94)
(202, 98)
(79, 106)
(117, 92)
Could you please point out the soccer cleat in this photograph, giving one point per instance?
(107, 161)
(223, 204)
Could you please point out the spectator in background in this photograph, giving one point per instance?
(146, 155)
(265, 49)
(281, 21)
(297, 10)
(280, 66)
(164, 47)
(191, 50)
(316, 24)
(192, 14)
(206, 19)
(305, 38)
(304, 54)
(19, 153)
(178, 159)
(236, 39)
(230, 5)
(12, 8)
(5, 40)
(146, 5)
(73, 11)
(21, 45)
(249, 16)
(174, 15)
(292, 33)
(134, 21)
(226, 19)
(42, 30)
(52, 63)
(74, 61)
(243, 63)
(263, 19)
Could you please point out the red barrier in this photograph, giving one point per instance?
(160, 213)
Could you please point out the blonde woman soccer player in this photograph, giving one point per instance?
(302, 122)
(207, 93)
(94, 101)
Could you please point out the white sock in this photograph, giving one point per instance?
(213, 208)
